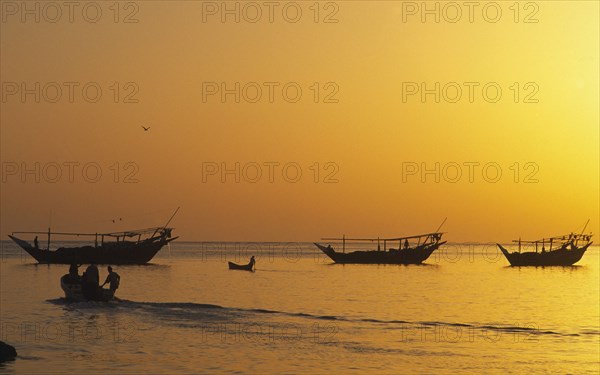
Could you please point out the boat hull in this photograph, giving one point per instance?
(74, 291)
(405, 256)
(560, 257)
(244, 267)
(123, 252)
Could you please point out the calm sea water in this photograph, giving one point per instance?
(465, 311)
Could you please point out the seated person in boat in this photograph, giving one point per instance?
(74, 273)
(35, 243)
(252, 262)
(113, 279)
(90, 281)
(93, 274)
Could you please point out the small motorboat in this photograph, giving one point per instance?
(242, 267)
(74, 292)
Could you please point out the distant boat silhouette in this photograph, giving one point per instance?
(566, 253)
(243, 267)
(406, 253)
(121, 251)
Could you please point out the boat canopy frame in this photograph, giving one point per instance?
(571, 238)
(164, 230)
(118, 235)
(433, 237)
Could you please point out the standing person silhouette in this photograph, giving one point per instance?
(113, 279)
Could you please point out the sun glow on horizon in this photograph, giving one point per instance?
(355, 135)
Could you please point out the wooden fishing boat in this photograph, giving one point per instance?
(562, 251)
(74, 292)
(121, 251)
(129, 247)
(243, 267)
(411, 249)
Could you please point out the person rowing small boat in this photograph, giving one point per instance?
(244, 267)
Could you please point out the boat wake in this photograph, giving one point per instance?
(191, 314)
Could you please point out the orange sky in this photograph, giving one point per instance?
(369, 136)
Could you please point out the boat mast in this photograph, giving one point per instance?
(440, 227)
(172, 216)
(344, 243)
(583, 230)
(49, 225)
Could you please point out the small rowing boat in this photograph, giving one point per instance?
(242, 267)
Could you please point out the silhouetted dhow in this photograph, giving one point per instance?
(121, 251)
(562, 251)
(406, 253)
(131, 247)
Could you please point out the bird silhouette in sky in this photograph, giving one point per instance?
(145, 128)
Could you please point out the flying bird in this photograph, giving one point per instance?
(145, 128)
